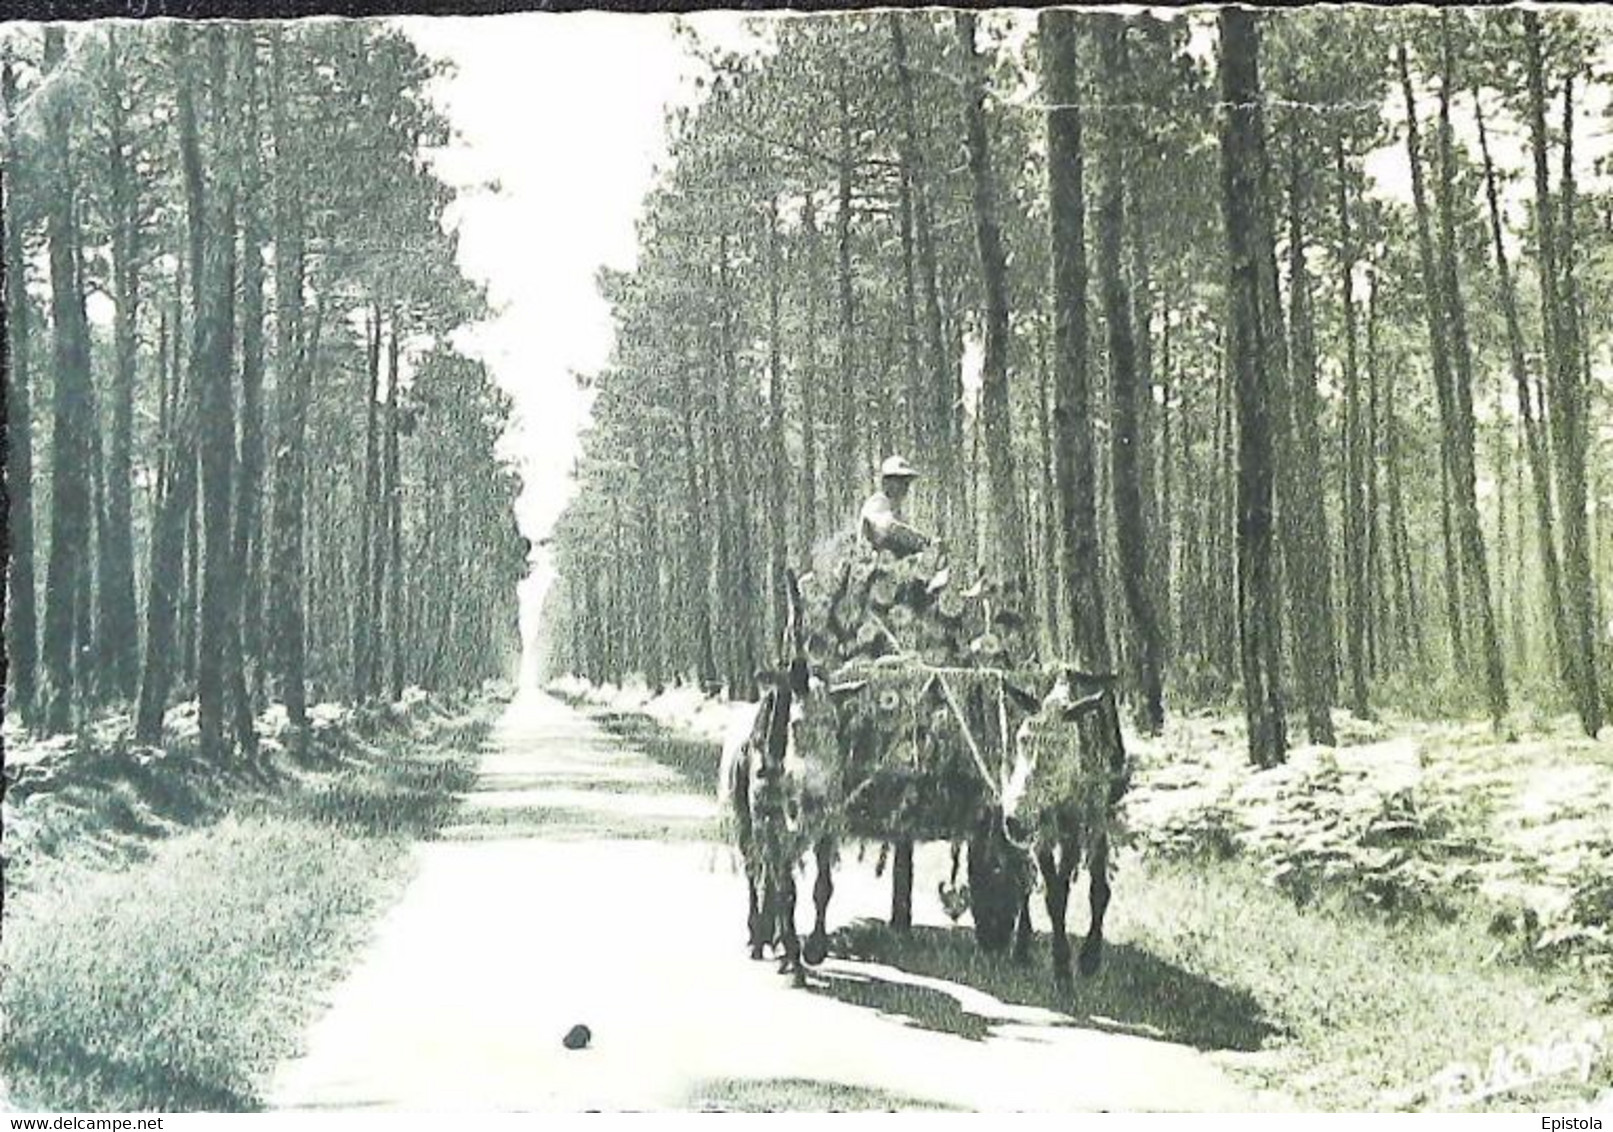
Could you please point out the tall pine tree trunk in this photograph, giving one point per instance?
(1126, 395)
(1302, 515)
(71, 425)
(1535, 447)
(779, 473)
(215, 332)
(1407, 626)
(22, 626)
(1566, 409)
(392, 653)
(1377, 595)
(741, 580)
(250, 483)
(1573, 483)
(1008, 525)
(1047, 558)
(1156, 545)
(1475, 564)
(945, 445)
(1241, 179)
(1443, 309)
(844, 478)
(191, 604)
(1165, 531)
(916, 430)
(1074, 465)
(295, 360)
(810, 377)
(716, 488)
(1439, 350)
(1357, 517)
(367, 598)
(1228, 636)
(656, 645)
(696, 564)
(175, 522)
(381, 537)
(119, 618)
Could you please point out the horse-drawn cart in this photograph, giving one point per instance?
(948, 734)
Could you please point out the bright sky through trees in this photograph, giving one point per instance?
(561, 122)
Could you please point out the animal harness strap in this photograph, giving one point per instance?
(879, 623)
(1002, 729)
(968, 737)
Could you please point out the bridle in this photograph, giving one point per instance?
(1072, 712)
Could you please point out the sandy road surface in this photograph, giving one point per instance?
(580, 884)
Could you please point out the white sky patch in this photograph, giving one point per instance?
(1389, 171)
(561, 124)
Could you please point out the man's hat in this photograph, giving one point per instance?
(897, 468)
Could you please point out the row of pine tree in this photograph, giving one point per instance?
(245, 465)
(1234, 413)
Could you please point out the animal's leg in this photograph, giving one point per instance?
(1022, 928)
(1056, 886)
(763, 911)
(1098, 866)
(784, 883)
(755, 917)
(992, 889)
(817, 945)
(902, 886)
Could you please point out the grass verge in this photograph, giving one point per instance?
(1366, 1009)
(694, 759)
(178, 981)
(794, 1094)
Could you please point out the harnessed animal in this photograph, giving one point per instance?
(787, 781)
(781, 796)
(1049, 764)
(1058, 799)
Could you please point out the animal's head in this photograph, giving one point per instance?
(794, 643)
(1030, 767)
(798, 698)
(796, 673)
(784, 689)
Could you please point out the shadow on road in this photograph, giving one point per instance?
(598, 789)
(477, 822)
(695, 759)
(1134, 993)
(928, 1008)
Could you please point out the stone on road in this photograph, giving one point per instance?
(581, 884)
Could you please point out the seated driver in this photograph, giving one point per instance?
(881, 522)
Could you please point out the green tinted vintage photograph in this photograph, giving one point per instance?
(985, 560)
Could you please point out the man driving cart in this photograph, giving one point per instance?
(881, 523)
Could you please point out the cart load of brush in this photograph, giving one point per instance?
(863, 605)
(946, 669)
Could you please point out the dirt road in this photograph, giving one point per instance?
(581, 884)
